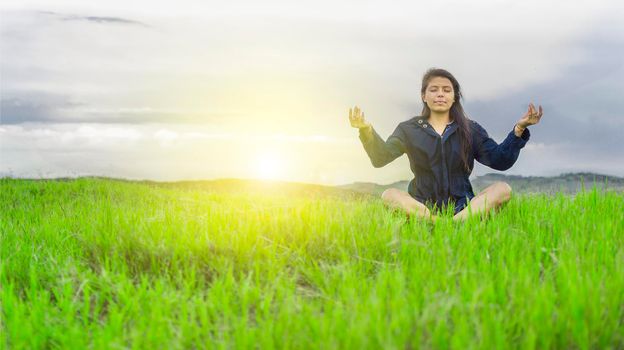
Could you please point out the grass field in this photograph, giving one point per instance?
(106, 264)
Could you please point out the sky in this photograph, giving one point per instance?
(241, 89)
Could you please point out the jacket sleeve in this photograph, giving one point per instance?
(499, 157)
(380, 152)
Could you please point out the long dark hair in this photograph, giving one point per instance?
(456, 113)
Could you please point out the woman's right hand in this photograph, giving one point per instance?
(356, 117)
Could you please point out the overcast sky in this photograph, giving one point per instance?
(202, 90)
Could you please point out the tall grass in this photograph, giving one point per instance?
(94, 263)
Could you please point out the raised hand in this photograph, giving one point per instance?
(531, 117)
(356, 117)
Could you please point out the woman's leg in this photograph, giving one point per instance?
(401, 200)
(492, 197)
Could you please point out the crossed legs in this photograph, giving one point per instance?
(492, 197)
(402, 201)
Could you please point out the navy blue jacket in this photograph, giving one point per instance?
(436, 161)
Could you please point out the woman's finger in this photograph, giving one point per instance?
(538, 115)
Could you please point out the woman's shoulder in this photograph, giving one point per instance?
(406, 128)
(412, 121)
(476, 127)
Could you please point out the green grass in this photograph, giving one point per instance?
(105, 264)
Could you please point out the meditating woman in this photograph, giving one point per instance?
(442, 144)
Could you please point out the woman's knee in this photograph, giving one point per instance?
(503, 191)
(390, 195)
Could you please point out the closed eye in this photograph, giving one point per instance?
(435, 89)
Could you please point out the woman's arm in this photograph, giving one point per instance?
(379, 152)
(497, 156)
(503, 156)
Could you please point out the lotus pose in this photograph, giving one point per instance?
(442, 144)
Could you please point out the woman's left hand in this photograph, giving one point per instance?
(531, 117)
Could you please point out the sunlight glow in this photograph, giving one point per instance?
(269, 165)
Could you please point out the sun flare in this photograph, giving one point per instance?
(269, 165)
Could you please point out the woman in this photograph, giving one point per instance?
(441, 145)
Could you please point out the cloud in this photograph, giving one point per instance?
(43, 107)
(583, 107)
(93, 19)
(34, 107)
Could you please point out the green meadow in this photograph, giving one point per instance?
(108, 264)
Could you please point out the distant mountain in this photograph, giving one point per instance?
(227, 185)
(373, 188)
(270, 187)
(569, 183)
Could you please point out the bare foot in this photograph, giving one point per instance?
(459, 218)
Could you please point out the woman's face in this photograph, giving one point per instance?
(439, 95)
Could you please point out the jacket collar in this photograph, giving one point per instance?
(424, 124)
